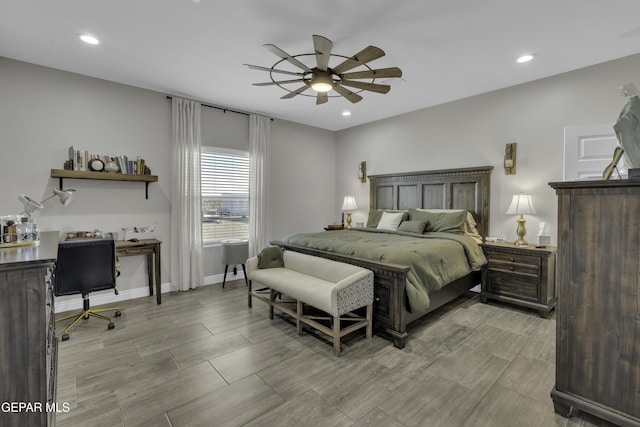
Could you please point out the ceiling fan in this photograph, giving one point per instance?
(322, 78)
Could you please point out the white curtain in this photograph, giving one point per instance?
(186, 231)
(259, 131)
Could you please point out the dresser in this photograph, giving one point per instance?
(598, 310)
(28, 345)
(522, 275)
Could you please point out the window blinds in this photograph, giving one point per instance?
(225, 193)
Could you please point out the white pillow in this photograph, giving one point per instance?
(390, 220)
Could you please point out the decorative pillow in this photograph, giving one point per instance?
(270, 257)
(413, 226)
(442, 221)
(469, 223)
(376, 214)
(390, 220)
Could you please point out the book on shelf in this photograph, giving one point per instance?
(78, 160)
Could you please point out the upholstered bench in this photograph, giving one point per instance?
(333, 287)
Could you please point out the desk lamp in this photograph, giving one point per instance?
(31, 205)
(521, 204)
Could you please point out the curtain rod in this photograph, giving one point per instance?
(221, 108)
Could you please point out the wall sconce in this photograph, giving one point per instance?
(510, 159)
(362, 172)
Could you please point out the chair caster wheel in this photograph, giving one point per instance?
(118, 313)
(111, 325)
(65, 337)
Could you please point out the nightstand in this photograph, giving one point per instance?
(522, 275)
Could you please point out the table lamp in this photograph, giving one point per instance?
(349, 204)
(521, 204)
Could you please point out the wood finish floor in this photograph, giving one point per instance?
(203, 358)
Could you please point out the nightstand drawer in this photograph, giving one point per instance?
(516, 285)
(514, 267)
(506, 257)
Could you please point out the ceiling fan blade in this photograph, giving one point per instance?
(321, 98)
(353, 97)
(373, 74)
(284, 55)
(366, 86)
(322, 46)
(278, 82)
(367, 54)
(273, 70)
(296, 92)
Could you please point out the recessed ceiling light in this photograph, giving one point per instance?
(346, 113)
(525, 58)
(89, 39)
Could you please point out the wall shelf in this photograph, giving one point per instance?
(105, 176)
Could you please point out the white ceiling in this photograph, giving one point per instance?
(447, 49)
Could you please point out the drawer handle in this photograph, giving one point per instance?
(376, 299)
(512, 269)
(511, 259)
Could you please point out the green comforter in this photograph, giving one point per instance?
(434, 259)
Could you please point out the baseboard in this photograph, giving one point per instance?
(106, 297)
(109, 297)
(218, 278)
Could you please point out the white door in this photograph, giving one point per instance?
(588, 150)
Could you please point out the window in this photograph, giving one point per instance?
(225, 194)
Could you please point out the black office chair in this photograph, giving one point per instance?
(84, 266)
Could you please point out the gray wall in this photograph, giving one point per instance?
(474, 131)
(44, 111)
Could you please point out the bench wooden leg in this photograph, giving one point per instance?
(271, 299)
(370, 321)
(299, 316)
(336, 335)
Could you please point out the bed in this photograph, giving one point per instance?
(466, 188)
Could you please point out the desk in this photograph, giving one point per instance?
(150, 248)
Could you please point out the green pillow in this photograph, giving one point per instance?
(376, 214)
(270, 257)
(413, 226)
(445, 222)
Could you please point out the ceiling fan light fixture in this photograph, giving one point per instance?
(322, 82)
(322, 79)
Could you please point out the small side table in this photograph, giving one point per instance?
(234, 252)
(522, 275)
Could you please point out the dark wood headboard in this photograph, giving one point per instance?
(466, 188)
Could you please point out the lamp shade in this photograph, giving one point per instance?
(521, 204)
(65, 196)
(349, 203)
